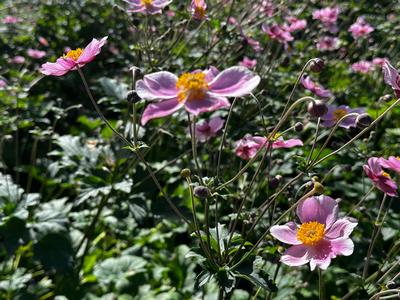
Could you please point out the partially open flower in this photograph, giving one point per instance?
(360, 28)
(317, 108)
(320, 237)
(278, 33)
(379, 177)
(391, 77)
(393, 163)
(74, 59)
(198, 9)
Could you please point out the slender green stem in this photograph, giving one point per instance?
(320, 285)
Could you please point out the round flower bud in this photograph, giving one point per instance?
(185, 173)
(391, 284)
(317, 65)
(298, 127)
(318, 188)
(317, 108)
(363, 120)
(201, 192)
(386, 98)
(275, 181)
(133, 97)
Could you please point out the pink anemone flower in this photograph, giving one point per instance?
(391, 77)
(34, 53)
(278, 33)
(320, 237)
(10, 20)
(74, 59)
(198, 9)
(315, 88)
(335, 113)
(3, 83)
(18, 59)
(208, 129)
(197, 92)
(248, 63)
(380, 178)
(363, 66)
(248, 146)
(360, 28)
(295, 24)
(328, 43)
(150, 7)
(328, 15)
(393, 163)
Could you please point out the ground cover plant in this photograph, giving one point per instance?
(155, 149)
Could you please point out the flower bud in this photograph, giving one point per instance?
(133, 97)
(391, 284)
(318, 188)
(386, 98)
(185, 173)
(275, 181)
(201, 192)
(298, 127)
(317, 65)
(317, 108)
(363, 120)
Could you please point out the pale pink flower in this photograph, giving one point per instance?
(320, 237)
(74, 59)
(43, 41)
(3, 83)
(315, 88)
(278, 33)
(267, 7)
(393, 163)
(197, 92)
(295, 24)
(253, 43)
(360, 28)
(150, 7)
(336, 113)
(198, 9)
(378, 61)
(10, 20)
(34, 53)
(363, 66)
(391, 77)
(380, 178)
(18, 59)
(248, 63)
(171, 13)
(208, 129)
(327, 15)
(328, 43)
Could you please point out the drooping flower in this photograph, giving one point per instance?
(10, 20)
(393, 163)
(150, 7)
(391, 77)
(18, 59)
(248, 63)
(328, 43)
(198, 9)
(34, 53)
(360, 28)
(379, 177)
(248, 146)
(319, 238)
(363, 66)
(295, 24)
(74, 59)
(328, 15)
(197, 92)
(208, 129)
(335, 113)
(315, 88)
(278, 33)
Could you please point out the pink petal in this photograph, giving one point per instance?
(322, 209)
(216, 124)
(342, 246)
(296, 256)
(211, 73)
(160, 109)
(210, 103)
(341, 228)
(390, 75)
(287, 144)
(91, 50)
(159, 85)
(234, 82)
(320, 255)
(59, 68)
(286, 233)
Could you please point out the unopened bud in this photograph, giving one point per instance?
(275, 181)
(317, 65)
(363, 120)
(318, 188)
(185, 173)
(298, 127)
(386, 98)
(201, 192)
(317, 108)
(391, 284)
(133, 97)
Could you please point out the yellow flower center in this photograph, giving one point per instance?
(276, 136)
(74, 54)
(311, 233)
(147, 2)
(199, 10)
(386, 174)
(339, 113)
(192, 86)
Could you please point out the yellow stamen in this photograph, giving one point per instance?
(311, 233)
(192, 86)
(339, 113)
(276, 136)
(386, 174)
(147, 2)
(74, 54)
